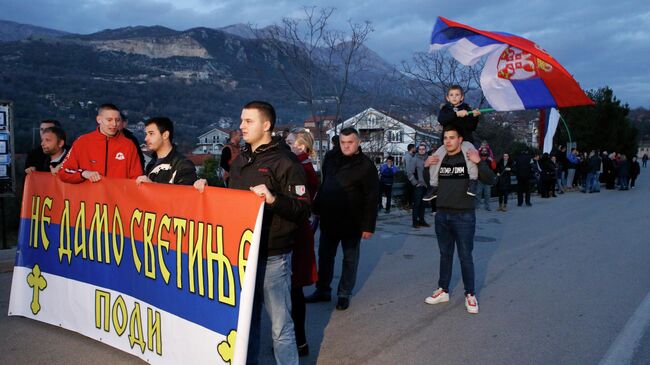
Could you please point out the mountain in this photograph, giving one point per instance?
(240, 30)
(128, 33)
(195, 77)
(11, 31)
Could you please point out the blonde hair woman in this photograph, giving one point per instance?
(303, 262)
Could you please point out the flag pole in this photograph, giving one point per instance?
(565, 126)
(486, 110)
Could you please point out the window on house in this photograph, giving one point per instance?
(372, 120)
(394, 136)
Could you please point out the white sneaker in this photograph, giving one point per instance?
(471, 304)
(438, 296)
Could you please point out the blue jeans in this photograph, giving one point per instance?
(272, 288)
(483, 192)
(456, 230)
(327, 246)
(596, 182)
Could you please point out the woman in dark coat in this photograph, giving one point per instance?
(303, 262)
(624, 172)
(504, 173)
(634, 171)
(547, 178)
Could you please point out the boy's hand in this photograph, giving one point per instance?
(476, 112)
(461, 113)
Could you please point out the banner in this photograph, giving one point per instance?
(154, 270)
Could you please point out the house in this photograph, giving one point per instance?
(644, 148)
(318, 126)
(383, 134)
(198, 160)
(211, 142)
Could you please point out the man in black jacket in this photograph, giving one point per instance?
(167, 165)
(38, 159)
(456, 217)
(52, 152)
(347, 204)
(270, 170)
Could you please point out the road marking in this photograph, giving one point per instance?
(622, 350)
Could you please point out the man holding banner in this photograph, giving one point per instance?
(272, 172)
(167, 165)
(104, 152)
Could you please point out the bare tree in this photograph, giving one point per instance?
(431, 75)
(320, 61)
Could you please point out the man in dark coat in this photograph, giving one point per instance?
(269, 169)
(347, 204)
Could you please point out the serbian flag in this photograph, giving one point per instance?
(518, 74)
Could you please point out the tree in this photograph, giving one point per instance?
(321, 61)
(604, 126)
(210, 171)
(498, 136)
(432, 74)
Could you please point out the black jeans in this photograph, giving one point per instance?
(328, 244)
(503, 196)
(418, 203)
(523, 189)
(298, 310)
(388, 191)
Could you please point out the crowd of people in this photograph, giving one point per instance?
(341, 204)
(548, 174)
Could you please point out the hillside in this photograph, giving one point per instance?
(195, 77)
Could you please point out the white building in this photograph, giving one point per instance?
(384, 135)
(211, 142)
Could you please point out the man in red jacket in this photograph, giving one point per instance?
(104, 152)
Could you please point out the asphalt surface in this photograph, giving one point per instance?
(565, 281)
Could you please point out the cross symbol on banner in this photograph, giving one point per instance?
(36, 281)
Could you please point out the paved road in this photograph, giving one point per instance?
(563, 282)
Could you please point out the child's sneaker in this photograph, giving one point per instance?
(471, 304)
(472, 187)
(432, 193)
(438, 296)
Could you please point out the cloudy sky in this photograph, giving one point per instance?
(601, 42)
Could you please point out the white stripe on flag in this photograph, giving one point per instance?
(465, 51)
(499, 92)
(551, 126)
